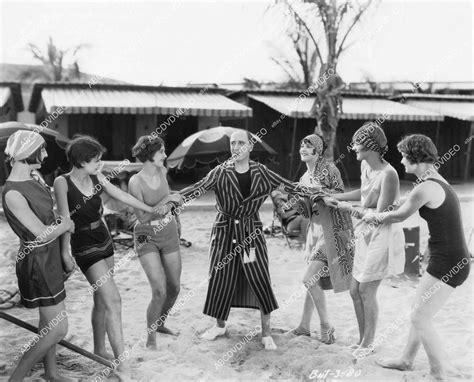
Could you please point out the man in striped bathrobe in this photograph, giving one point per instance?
(238, 273)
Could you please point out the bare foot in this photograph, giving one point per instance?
(165, 330)
(123, 372)
(437, 374)
(394, 363)
(300, 331)
(151, 345)
(354, 346)
(60, 378)
(362, 352)
(105, 355)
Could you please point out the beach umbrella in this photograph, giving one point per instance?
(8, 128)
(212, 145)
(56, 156)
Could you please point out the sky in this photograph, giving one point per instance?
(175, 43)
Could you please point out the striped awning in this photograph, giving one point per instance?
(369, 108)
(456, 109)
(5, 94)
(138, 101)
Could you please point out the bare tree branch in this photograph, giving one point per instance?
(354, 22)
(308, 30)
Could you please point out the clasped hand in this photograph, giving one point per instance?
(166, 204)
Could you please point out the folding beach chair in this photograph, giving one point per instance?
(284, 214)
(120, 225)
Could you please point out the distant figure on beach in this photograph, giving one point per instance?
(291, 219)
(238, 272)
(449, 261)
(78, 195)
(379, 250)
(28, 208)
(156, 234)
(329, 244)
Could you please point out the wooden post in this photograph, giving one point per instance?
(437, 133)
(293, 143)
(64, 343)
(468, 154)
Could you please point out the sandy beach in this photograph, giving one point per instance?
(187, 357)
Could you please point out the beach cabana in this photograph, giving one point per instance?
(287, 114)
(117, 114)
(459, 121)
(11, 102)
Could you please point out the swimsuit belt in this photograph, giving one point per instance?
(90, 226)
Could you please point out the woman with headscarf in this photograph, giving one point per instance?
(329, 249)
(379, 250)
(28, 207)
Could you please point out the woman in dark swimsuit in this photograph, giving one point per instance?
(29, 211)
(449, 259)
(78, 195)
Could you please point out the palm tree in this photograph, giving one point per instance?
(301, 66)
(53, 59)
(334, 20)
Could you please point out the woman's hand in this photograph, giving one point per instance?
(68, 223)
(162, 209)
(371, 217)
(150, 209)
(344, 206)
(330, 201)
(69, 266)
(176, 198)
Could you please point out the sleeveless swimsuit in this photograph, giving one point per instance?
(449, 257)
(91, 241)
(161, 234)
(38, 265)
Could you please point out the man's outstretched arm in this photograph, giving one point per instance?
(197, 189)
(277, 181)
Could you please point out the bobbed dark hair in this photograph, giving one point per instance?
(83, 148)
(146, 147)
(418, 148)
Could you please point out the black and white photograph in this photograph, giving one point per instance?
(236, 190)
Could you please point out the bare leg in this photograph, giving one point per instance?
(368, 293)
(172, 267)
(151, 263)
(431, 296)
(314, 297)
(108, 299)
(308, 308)
(265, 324)
(49, 360)
(99, 327)
(45, 344)
(358, 307)
(405, 362)
(267, 339)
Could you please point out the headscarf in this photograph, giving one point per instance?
(371, 136)
(316, 141)
(22, 144)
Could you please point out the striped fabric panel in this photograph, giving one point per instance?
(228, 233)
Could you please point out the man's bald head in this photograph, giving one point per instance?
(241, 135)
(240, 145)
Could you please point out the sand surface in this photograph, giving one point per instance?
(187, 357)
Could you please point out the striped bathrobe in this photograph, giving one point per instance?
(236, 234)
